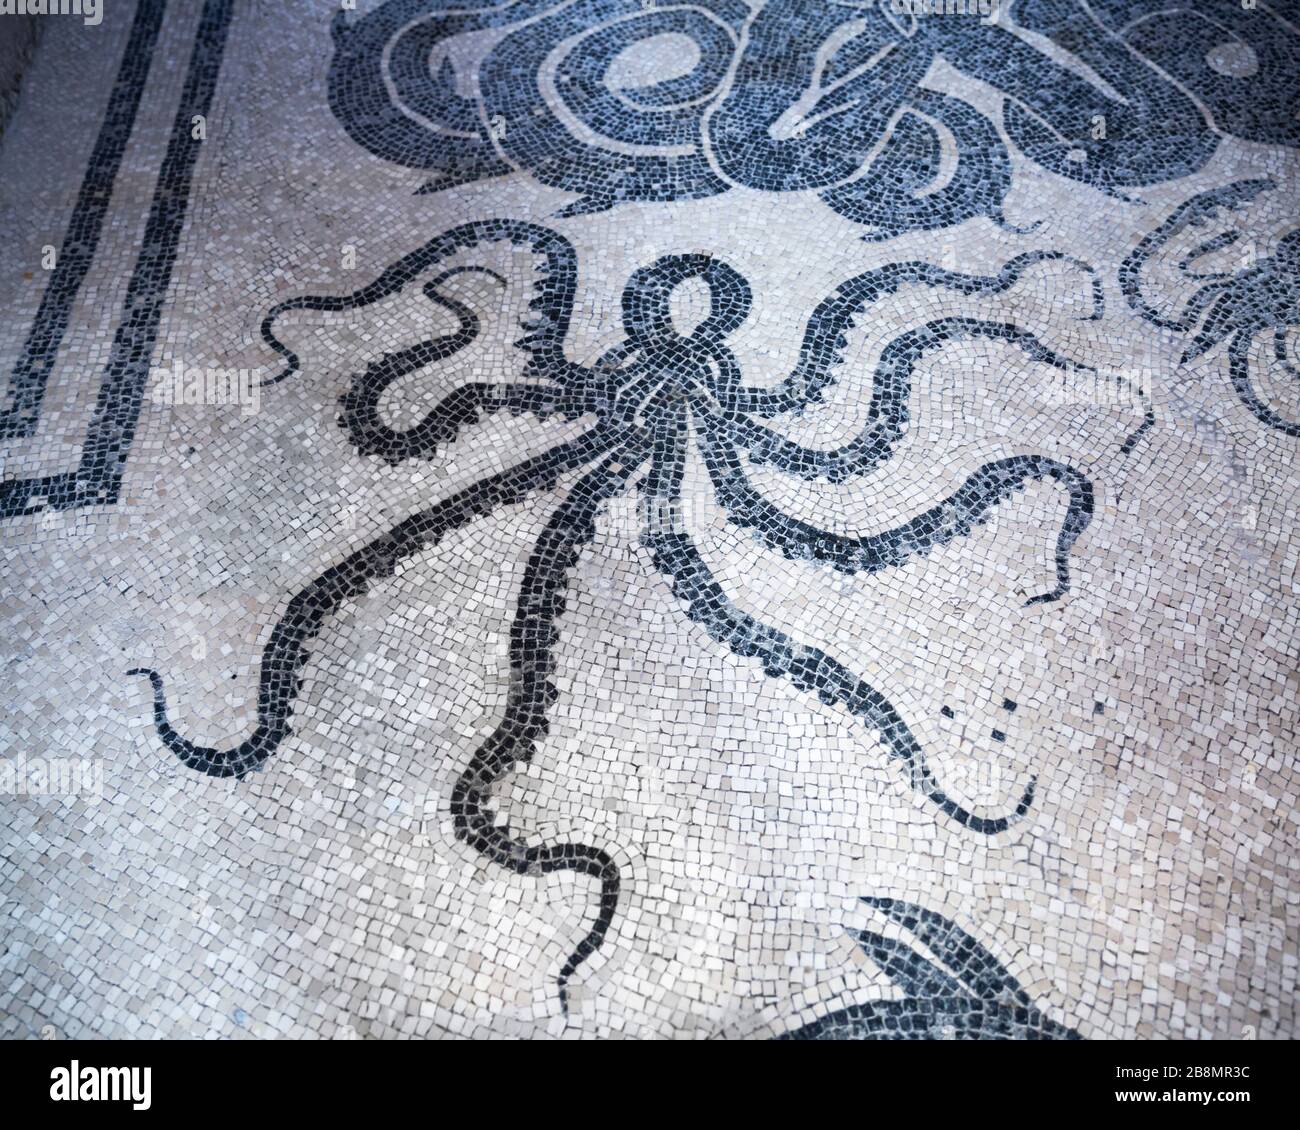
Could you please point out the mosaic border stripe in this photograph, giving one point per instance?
(121, 392)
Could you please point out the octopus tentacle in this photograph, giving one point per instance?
(556, 287)
(467, 404)
(888, 414)
(1218, 324)
(1223, 240)
(825, 334)
(532, 636)
(1280, 351)
(809, 668)
(1188, 214)
(286, 652)
(1239, 371)
(1230, 307)
(1197, 304)
(954, 517)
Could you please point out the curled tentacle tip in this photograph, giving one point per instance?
(1048, 597)
(1202, 344)
(983, 825)
(1006, 225)
(1098, 292)
(1132, 440)
(1027, 797)
(287, 371)
(993, 827)
(149, 673)
(469, 269)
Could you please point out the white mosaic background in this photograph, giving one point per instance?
(1150, 892)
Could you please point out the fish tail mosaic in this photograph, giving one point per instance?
(607, 518)
(975, 998)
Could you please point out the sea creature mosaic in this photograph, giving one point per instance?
(642, 395)
(626, 518)
(800, 97)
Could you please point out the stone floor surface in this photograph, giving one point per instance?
(651, 519)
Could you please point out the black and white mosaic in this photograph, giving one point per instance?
(1231, 306)
(624, 519)
(109, 435)
(813, 97)
(972, 997)
(644, 395)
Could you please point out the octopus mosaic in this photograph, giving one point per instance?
(606, 518)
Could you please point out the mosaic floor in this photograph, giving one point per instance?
(650, 519)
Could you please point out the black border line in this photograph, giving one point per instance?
(109, 436)
(31, 372)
